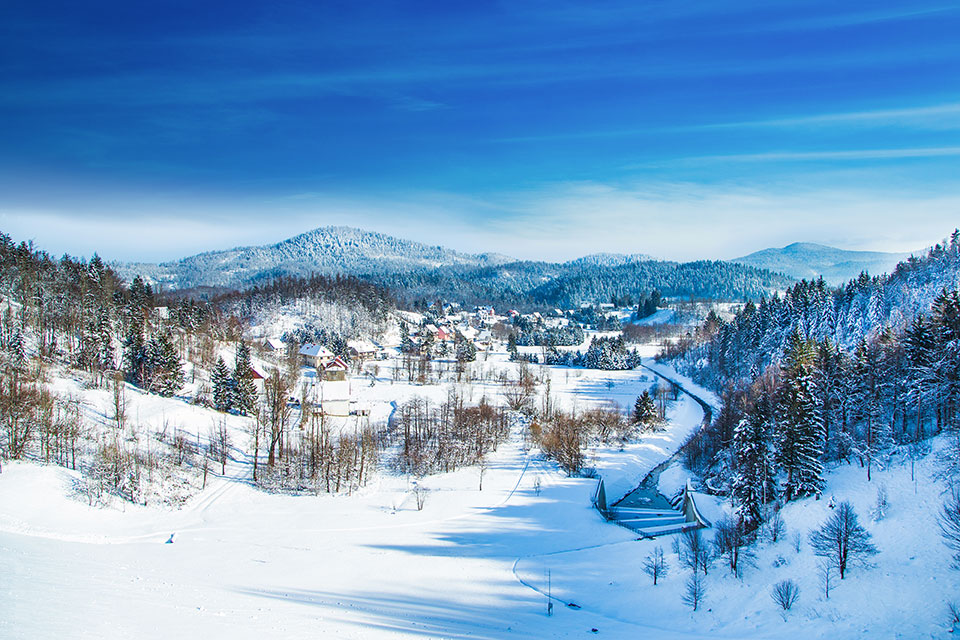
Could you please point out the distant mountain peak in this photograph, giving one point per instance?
(809, 260)
(329, 250)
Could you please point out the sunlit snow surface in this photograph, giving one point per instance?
(245, 564)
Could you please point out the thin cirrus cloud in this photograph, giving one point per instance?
(676, 221)
(157, 88)
(935, 117)
(845, 154)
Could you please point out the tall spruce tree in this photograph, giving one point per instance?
(222, 387)
(753, 463)
(245, 392)
(866, 398)
(163, 365)
(800, 420)
(134, 355)
(920, 346)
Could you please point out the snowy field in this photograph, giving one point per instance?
(472, 563)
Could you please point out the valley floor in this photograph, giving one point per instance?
(471, 564)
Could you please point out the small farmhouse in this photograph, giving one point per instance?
(274, 345)
(315, 355)
(361, 349)
(335, 370)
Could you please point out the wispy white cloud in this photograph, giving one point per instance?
(937, 116)
(553, 222)
(840, 155)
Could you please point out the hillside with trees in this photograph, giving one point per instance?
(861, 373)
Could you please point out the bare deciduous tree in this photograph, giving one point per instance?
(695, 591)
(841, 540)
(731, 540)
(420, 496)
(276, 411)
(826, 570)
(655, 565)
(695, 554)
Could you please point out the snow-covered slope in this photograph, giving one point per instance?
(806, 260)
(470, 564)
(327, 250)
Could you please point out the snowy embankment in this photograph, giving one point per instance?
(623, 469)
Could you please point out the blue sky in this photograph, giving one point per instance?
(538, 129)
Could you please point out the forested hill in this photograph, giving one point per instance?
(864, 372)
(419, 272)
(543, 284)
(730, 353)
(326, 251)
(81, 313)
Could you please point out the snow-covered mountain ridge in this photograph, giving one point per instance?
(807, 260)
(416, 269)
(326, 250)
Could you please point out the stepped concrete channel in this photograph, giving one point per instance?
(646, 510)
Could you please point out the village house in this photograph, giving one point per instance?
(315, 355)
(259, 375)
(468, 333)
(362, 350)
(274, 345)
(335, 370)
(485, 315)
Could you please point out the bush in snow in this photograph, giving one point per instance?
(785, 594)
(879, 511)
(775, 528)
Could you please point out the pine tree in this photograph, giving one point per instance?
(16, 350)
(222, 387)
(466, 351)
(800, 421)
(406, 342)
(920, 347)
(245, 391)
(645, 409)
(107, 357)
(164, 367)
(753, 464)
(866, 399)
(134, 355)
